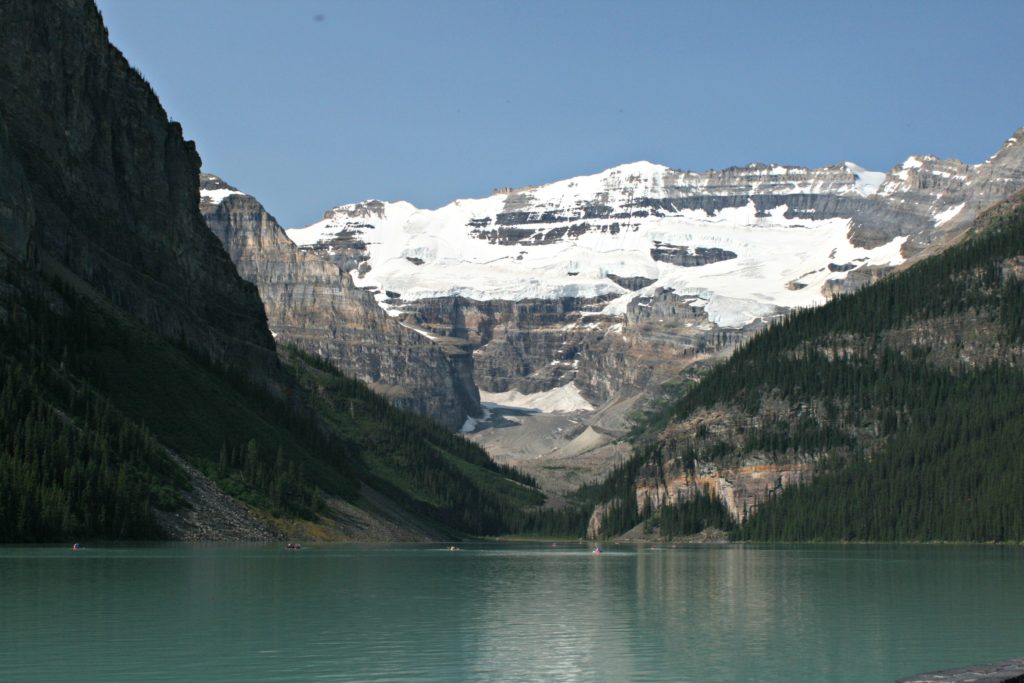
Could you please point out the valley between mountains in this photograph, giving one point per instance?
(761, 352)
(543, 321)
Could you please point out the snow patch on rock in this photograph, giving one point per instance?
(563, 399)
(217, 196)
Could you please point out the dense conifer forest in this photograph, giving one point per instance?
(926, 363)
(912, 389)
(91, 404)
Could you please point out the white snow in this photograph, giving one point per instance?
(350, 217)
(912, 162)
(949, 214)
(563, 399)
(426, 334)
(867, 182)
(459, 258)
(217, 196)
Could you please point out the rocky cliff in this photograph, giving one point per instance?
(98, 186)
(640, 269)
(141, 393)
(897, 407)
(314, 305)
(614, 283)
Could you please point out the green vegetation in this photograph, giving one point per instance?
(911, 388)
(94, 402)
(71, 466)
(421, 465)
(91, 401)
(686, 517)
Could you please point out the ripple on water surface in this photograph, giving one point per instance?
(505, 612)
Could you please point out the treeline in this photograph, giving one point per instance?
(929, 450)
(83, 357)
(279, 448)
(279, 481)
(686, 517)
(954, 471)
(569, 521)
(421, 465)
(71, 466)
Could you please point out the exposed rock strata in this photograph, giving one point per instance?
(95, 183)
(618, 282)
(313, 304)
(742, 488)
(526, 344)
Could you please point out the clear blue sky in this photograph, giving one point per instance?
(308, 104)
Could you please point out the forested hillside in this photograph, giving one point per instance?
(131, 349)
(905, 400)
(90, 402)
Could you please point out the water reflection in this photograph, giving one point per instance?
(506, 612)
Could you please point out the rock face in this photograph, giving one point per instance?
(1007, 671)
(741, 489)
(617, 280)
(313, 304)
(95, 183)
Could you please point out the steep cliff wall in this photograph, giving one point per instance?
(898, 406)
(95, 183)
(619, 280)
(312, 304)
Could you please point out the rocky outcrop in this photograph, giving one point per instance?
(683, 256)
(97, 186)
(741, 489)
(1006, 671)
(619, 280)
(211, 514)
(314, 305)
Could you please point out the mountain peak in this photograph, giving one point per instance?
(867, 182)
(1011, 154)
(641, 167)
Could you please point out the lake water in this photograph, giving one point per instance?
(505, 612)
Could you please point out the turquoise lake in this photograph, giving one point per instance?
(505, 612)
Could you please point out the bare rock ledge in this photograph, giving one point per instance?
(999, 672)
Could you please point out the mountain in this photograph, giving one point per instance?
(313, 305)
(891, 414)
(601, 288)
(142, 394)
(97, 188)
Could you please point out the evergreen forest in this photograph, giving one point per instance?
(95, 412)
(907, 394)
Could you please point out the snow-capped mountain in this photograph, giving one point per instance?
(561, 306)
(742, 244)
(622, 235)
(310, 304)
(692, 256)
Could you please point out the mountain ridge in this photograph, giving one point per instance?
(142, 394)
(313, 304)
(613, 283)
(892, 413)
